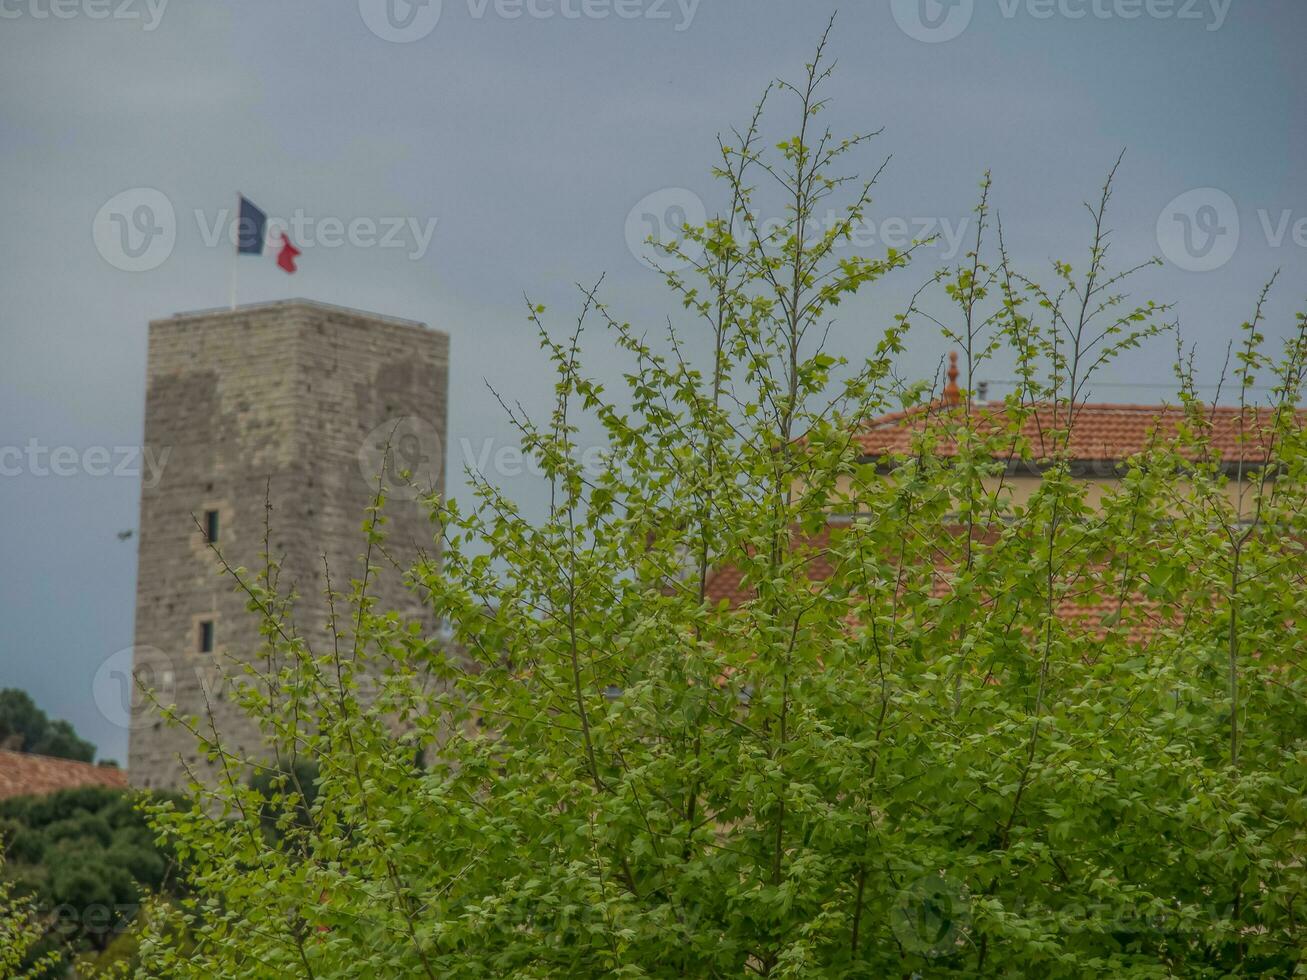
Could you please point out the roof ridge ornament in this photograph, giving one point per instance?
(952, 394)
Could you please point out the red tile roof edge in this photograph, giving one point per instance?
(25, 774)
(1096, 433)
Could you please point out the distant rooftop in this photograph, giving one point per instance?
(24, 774)
(1099, 431)
(1104, 432)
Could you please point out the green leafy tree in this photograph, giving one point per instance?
(20, 935)
(917, 746)
(26, 728)
(83, 860)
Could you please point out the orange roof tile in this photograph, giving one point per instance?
(1093, 613)
(1098, 432)
(24, 774)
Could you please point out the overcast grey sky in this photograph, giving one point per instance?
(513, 139)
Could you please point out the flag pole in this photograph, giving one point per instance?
(236, 252)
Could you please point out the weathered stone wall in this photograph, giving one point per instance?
(274, 412)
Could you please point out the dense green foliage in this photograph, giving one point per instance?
(919, 765)
(84, 860)
(25, 728)
(20, 933)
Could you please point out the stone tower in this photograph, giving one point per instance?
(277, 415)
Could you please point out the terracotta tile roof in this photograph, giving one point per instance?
(727, 583)
(1099, 431)
(1097, 613)
(24, 774)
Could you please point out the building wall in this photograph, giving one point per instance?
(276, 416)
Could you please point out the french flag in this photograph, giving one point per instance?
(251, 229)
